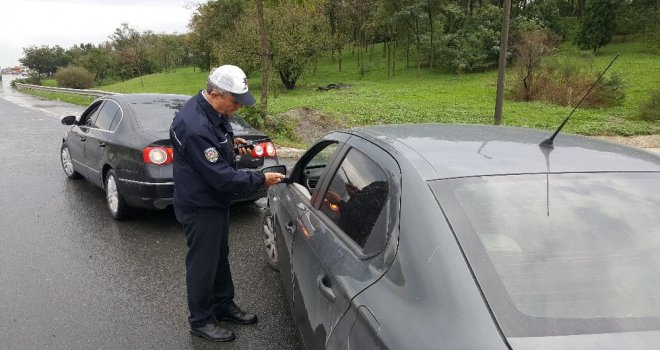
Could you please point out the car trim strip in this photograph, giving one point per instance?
(92, 169)
(116, 126)
(148, 183)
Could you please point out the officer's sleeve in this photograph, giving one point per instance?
(218, 173)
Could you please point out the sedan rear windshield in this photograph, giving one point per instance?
(157, 115)
(562, 254)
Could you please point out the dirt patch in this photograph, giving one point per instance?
(641, 141)
(311, 124)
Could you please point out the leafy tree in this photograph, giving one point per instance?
(213, 22)
(474, 47)
(44, 59)
(130, 49)
(597, 25)
(548, 14)
(298, 36)
(97, 60)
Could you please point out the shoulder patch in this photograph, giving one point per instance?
(211, 154)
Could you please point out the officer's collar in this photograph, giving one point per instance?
(216, 118)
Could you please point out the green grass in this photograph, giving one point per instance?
(438, 96)
(80, 100)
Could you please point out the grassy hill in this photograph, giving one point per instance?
(438, 96)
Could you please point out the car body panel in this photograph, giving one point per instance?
(448, 151)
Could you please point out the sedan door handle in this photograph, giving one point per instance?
(82, 138)
(325, 286)
(102, 144)
(290, 228)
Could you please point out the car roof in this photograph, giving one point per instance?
(440, 151)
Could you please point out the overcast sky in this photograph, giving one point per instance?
(67, 22)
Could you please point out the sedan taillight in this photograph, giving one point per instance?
(158, 155)
(266, 149)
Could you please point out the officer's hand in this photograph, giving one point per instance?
(272, 179)
(241, 150)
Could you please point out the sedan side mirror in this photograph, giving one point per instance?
(277, 169)
(69, 120)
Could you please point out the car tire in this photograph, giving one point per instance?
(67, 163)
(269, 237)
(114, 199)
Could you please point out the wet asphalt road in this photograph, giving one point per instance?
(73, 278)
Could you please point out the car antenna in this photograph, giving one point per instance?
(549, 141)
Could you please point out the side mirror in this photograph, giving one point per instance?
(277, 169)
(69, 120)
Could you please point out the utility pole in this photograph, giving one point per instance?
(504, 43)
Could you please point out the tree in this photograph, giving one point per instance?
(597, 25)
(131, 49)
(213, 23)
(298, 36)
(44, 59)
(97, 59)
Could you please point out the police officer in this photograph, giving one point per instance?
(205, 181)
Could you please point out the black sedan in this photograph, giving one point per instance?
(121, 143)
(469, 237)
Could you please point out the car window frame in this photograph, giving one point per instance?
(394, 195)
(336, 138)
(107, 101)
(91, 110)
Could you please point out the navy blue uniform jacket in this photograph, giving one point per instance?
(205, 173)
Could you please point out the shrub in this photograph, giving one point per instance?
(33, 78)
(650, 111)
(281, 126)
(74, 77)
(565, 83)
(252, 116)
(529, 47)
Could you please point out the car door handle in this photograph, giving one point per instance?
(102, 144)
(325, 286)
(290, 227)
(82, 138)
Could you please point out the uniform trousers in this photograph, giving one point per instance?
(208, 276)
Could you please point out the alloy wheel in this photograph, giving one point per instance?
(112, 195)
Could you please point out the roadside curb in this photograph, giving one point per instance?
(289, 152)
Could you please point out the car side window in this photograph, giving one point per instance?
(357, 197)
(106, 115)
(312, 170)
(89, 116)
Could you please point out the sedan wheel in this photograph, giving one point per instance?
(116, 205)
(269, 236)
(67, 163)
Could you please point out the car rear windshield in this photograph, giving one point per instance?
(562, 254)
(157, 115)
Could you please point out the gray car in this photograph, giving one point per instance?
(468, 237)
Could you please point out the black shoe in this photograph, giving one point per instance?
(236, 315)
(211, 331)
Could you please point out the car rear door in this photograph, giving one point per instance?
(342, 246)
